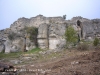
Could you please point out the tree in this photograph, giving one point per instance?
(64, 16)
(71, 35)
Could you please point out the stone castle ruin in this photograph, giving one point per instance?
(51, 32)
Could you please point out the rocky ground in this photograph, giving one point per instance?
(64, 62)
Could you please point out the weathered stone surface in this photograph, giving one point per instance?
(51, 32)
(43, 36)
(90, 28)
(56, 33)
(34, 22)
(29, 44)
(14, 49)
(1, 47)
(43, 31)
(57, 30)
(49, 36)
(7, 46)
(53, 43)
(62, 44)
(19, 24)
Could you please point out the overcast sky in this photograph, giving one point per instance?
(11, 10)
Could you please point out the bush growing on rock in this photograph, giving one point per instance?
(32, 31)
(96, 42)
(71, 35)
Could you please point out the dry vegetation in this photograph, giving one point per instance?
(83, 60)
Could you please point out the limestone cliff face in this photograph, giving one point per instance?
(18, 41)
(43, 36)
(51, 35)
(34, 22)
(19, 24)
(90, 28)
(56, 35)
(51, 32)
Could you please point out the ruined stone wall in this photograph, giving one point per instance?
(50, 31)
(90, 28)
(34, 21)
(51, 35)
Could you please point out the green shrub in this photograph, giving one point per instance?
(71, 35)
(33, 32)
(96, 42)
(35, 50)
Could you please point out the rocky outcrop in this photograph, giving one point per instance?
(16, 45)
(29, 44)
(90, 28)
(51, 35)
(19, 24)
(56, 35)
(15, 35)
(43, 41)
(7, 46)
(1, 47)
(51, 32)
(34, 22)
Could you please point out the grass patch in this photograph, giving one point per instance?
(36, 50)
(17, 54)
(10, 55)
